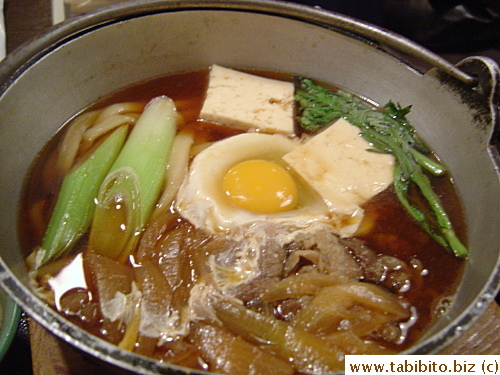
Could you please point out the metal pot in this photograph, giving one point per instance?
(455, 109)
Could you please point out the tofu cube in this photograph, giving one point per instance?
(337, 164)
(248, 102)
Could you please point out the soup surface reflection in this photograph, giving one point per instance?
(205, 292)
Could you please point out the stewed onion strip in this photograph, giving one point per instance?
(230, 354)
(298, 285)
(309, 353)
(360, 306)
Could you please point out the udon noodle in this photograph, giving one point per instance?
(271, 298)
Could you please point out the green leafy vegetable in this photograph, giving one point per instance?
(387, 131)
(74, 208)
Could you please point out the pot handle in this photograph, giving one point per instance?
(484, 97)
(406, 46)
(478, 76)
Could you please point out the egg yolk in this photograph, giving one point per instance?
(260, 186)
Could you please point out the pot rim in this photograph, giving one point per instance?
(27, 55)
(71, 28)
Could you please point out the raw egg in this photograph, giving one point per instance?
(242, 180)
(260, 186)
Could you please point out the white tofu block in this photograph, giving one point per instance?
(338, 166)
(248, 102)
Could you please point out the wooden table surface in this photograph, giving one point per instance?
(25, 19)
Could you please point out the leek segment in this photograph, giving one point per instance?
(74, 208)
(133, 185)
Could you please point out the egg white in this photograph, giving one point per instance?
(201, 198)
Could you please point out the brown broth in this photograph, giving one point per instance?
(394, 233)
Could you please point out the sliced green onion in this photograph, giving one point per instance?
(133, 185)
(74, 208)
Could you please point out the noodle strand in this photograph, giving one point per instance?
(72, 140)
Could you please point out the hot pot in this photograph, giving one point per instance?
(455, 109)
